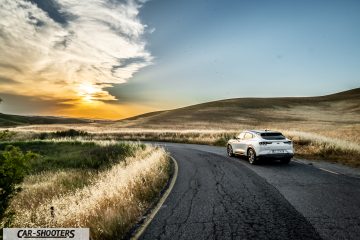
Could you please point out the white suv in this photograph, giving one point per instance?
(256, 144)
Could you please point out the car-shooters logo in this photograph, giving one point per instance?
(46, 233)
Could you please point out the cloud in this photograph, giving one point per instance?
(33, 106)
(70, 49)
(50, 107)
(5, 80)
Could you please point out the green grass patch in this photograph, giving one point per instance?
(73, 154)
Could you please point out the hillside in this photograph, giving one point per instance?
(333, 116)
(340, 109)
(7, 120)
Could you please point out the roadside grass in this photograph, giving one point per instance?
(323, 127)
(104, 185)
(74, 154)
(307, 145)
(317, 147)
(341, 146)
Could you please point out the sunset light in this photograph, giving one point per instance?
(180, 119)
(87, 91)
(97, 58)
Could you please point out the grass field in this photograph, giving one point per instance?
(88, 177)
(104, 185)
(308, 145)
(324, 127)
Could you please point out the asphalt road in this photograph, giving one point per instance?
(217, 197)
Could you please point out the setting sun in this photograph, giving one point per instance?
(87, 91)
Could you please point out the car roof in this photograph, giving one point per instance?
(262, 131)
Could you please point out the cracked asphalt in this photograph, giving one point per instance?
(217, 197)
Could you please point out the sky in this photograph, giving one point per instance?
(111, 59)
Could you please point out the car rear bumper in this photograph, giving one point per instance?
(276, 156)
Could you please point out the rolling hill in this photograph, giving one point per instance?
(331, 115)
(7, 120)
(339, 109)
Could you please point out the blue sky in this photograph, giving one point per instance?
(114, 59)
(206, 50)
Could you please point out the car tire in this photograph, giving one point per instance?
(285, 160)
(251, 156)
(230, 150)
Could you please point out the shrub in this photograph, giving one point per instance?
(70, 133)
(6, 135)
(13, 166)
(222, 140)
(42, 136)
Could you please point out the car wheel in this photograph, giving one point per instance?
(285, 160)
(230, 151)
(251, 156)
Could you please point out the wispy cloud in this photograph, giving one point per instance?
(70, 49)
(5, 80)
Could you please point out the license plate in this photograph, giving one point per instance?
(278, 151)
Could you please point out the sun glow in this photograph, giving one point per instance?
(78, 68)
(87, 92)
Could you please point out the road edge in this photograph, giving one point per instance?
(141, 229)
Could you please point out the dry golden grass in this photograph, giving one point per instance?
(318, 147)
(39, 188)
(312, 141)
(109, 202)
(326, 127)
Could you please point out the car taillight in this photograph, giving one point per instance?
(287, 142)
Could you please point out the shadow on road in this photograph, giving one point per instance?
(267, 162)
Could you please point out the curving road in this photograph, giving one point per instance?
(217, 197)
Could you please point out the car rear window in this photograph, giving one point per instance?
(272, 136)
